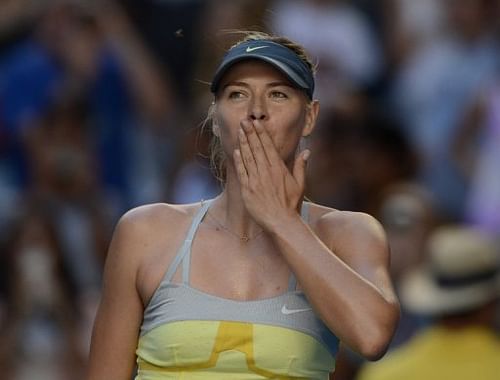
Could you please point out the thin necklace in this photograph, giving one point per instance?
(242, 238)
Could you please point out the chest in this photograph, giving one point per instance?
(219, 265)
(243, 271)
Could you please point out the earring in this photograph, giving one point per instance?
(216, 130)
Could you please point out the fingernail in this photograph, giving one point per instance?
(306, 155)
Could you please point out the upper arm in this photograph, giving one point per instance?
(359, 240)
(116, 328)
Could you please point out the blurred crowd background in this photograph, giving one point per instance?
(101, 107)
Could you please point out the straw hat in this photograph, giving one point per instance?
(461, 273)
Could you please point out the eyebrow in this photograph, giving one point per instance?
(269, 85)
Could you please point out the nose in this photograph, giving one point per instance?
(257, 110)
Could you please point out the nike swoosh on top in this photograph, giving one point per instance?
(250, 49)
(287, 311)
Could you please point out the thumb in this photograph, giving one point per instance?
(299, 167)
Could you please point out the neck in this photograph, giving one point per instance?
(229, 209)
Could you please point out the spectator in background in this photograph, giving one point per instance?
(410, 25)
(408, 214)
(360, 153)
(459, 287)
(340, 40)
(434, 87)
(477, 152)
(59, 153)
(92, 48)
(175, 43)
(41, 337)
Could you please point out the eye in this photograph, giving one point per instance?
(278, 95)
(236, 95)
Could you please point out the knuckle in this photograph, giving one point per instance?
(252, 187)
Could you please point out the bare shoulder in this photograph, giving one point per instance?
(340, 229)
(152, 217)
(143, 229)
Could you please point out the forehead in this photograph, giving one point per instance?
(254, 69)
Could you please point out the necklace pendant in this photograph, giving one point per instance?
(244, 239)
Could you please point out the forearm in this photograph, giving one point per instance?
(145, 79)
(361, 314)
(143, 73)
(354, 296)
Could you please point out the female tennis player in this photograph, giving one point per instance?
(256, 283)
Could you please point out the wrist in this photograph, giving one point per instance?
(286, 224)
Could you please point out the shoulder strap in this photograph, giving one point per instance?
(304, 211)
(304, 214)
(186, 262)
(185, 249)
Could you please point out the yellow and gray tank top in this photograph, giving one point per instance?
(189, 334)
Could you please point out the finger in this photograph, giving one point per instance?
(246, 154)
(270, 150)
(240, 167)
(299, 167)
(255, 145)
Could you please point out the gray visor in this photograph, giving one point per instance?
(281, 57)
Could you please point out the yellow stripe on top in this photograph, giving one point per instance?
(213, 349)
